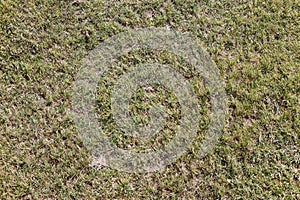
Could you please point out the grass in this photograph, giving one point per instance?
(255, 45)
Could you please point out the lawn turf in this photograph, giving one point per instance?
(255, 45)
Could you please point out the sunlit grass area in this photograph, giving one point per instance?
(255, 45)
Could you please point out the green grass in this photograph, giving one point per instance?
(255, 45)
